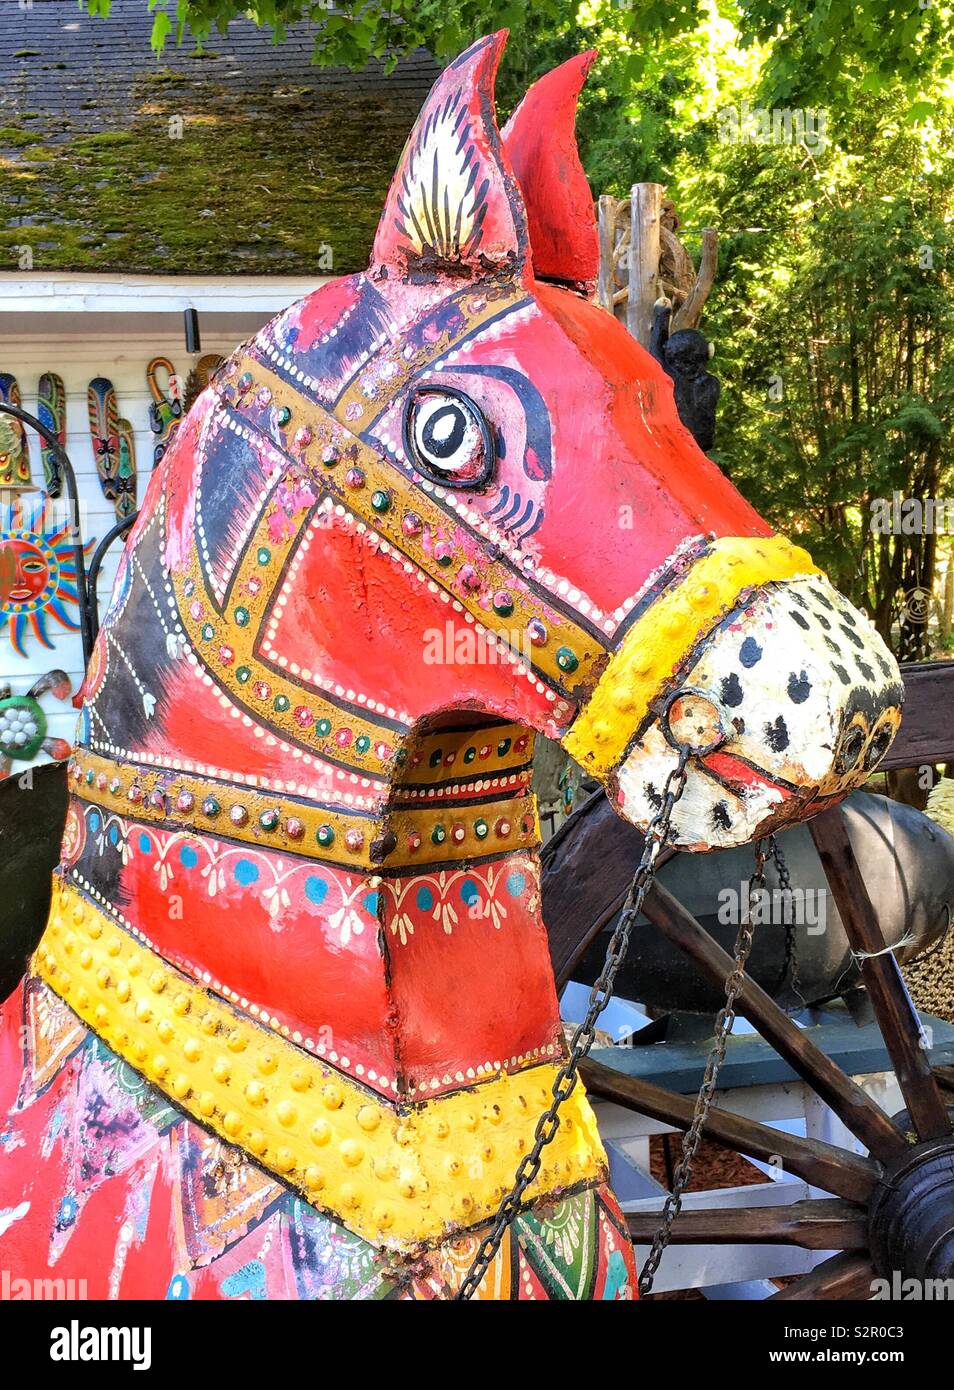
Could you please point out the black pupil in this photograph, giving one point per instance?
(438, 441)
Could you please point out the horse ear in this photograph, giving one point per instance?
(540, 142)
(454, 205)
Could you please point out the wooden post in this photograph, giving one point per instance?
(688, 314)
(606, 285)
(645, 209)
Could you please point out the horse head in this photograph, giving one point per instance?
(488, 503)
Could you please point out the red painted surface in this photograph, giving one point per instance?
(540, 142)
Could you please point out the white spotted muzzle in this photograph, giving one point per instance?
(790, 703)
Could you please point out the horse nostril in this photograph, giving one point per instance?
(849, 749)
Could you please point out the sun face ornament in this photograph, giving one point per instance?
(37, 558)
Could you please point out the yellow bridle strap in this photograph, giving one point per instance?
(666, 633)
(400, 1176)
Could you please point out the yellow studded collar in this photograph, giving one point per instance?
(402, 1177)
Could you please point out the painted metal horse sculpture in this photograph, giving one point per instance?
(292, 1021)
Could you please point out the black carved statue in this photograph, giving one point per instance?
(685, 355)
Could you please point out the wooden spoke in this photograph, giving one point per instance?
(944, 1076)
(818, 1225)
(845, 1276)
(866, 1120)
(881, 973)
(847, 1174)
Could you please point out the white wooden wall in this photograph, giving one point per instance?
(83, 329)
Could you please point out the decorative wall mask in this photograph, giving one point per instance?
(113, 447)
(385, 549)
(38, 553)
(165, 411)
(51, 412)
(14, 452)
(23, 722)
(126, 472)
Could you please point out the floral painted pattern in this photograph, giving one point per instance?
(456, 898)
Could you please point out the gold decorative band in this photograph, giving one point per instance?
(401, 837)
(458, 755)
(668, 630)
(401, 1177)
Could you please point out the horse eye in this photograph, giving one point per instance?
(447, 437)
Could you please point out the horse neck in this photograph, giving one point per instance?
(469, 976)
(388, 923)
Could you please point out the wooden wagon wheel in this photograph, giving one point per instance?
(892, 1209)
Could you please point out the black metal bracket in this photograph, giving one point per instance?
(99, 554)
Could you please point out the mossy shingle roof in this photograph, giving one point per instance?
(246, 159)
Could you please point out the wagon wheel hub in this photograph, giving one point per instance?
(911, 1214)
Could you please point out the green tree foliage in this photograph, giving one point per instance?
(813, 44)
(834, 320)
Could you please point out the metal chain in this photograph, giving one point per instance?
(790, 963)
(548, 1124)
(693, 1135)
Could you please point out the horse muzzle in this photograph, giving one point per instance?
(779, 692)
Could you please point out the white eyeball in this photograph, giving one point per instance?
(447, 437)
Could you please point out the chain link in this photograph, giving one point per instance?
(790, 963)
(723, 1027)
(601, 993)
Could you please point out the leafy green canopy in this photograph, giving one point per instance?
(814, 43)
(834, 325)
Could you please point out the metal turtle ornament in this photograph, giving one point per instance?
(292, 1023)
(23, 723)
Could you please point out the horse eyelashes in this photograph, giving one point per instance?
(520, 516)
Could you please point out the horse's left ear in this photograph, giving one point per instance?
(454, 207)
(540, 141)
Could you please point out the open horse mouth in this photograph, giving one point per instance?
(781, 690)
